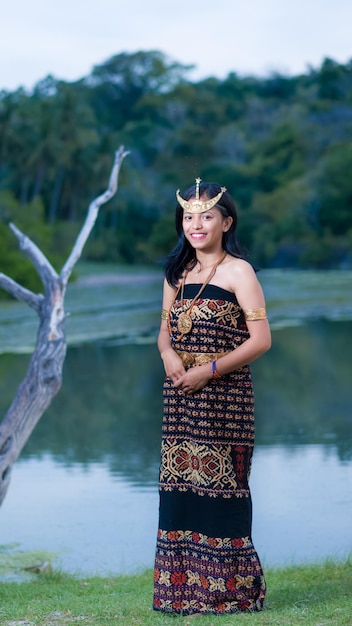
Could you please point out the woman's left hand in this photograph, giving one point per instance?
(194, 379)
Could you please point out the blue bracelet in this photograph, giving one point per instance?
(214, 372)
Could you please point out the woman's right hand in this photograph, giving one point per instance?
(173, 365)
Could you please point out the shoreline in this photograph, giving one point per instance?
(110, 278)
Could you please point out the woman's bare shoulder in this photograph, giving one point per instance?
(234, 273)
(240, 267)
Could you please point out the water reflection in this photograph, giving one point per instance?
(89, 470)
(303, 387)
(109, 409)
(110, 405)
(99, 524)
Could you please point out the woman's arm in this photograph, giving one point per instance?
(173, 365)
(249, 294)
(250, 297)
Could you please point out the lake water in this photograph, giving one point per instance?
(85, 487)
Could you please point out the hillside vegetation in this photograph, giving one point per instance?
(281, 145)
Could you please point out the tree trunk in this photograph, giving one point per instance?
(34, 394)
(54, 203)
(44, 375)
(38, 183)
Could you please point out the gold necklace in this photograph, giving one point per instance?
(184, 322)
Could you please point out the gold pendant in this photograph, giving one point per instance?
(184, 323)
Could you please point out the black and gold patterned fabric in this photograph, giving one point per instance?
(205, 560)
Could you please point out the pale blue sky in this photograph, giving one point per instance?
(67, 37)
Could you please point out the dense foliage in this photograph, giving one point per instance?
(281, 145)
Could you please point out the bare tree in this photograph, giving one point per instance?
(44, 375)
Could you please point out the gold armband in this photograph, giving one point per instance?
(164, 314)
(252, 315)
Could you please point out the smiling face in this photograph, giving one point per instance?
(204, 231)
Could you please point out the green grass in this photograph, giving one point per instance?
(311, 595)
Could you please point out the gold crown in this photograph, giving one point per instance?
(197, 206)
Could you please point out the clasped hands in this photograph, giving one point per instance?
(189, 381)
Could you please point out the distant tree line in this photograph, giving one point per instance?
(281, 145)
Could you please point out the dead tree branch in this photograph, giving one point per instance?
(21, 293)
(44, 375)
(39, 260)
(92, 216)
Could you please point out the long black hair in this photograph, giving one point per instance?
(183, 255)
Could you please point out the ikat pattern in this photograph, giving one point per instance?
(205, 560)
(195, 573)
(202, 467)
(219, 311)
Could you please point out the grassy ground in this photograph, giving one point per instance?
(312, 595)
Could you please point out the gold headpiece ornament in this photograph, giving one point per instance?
(197, 206)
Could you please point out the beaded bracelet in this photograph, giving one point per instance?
(214, 372)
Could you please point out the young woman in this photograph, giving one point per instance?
(213, 325)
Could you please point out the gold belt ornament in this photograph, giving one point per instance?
(190, 359)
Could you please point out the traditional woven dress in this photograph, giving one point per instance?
(205, 560)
